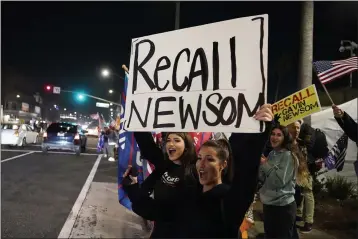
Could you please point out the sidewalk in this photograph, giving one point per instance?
(101, 216)
(258, 230)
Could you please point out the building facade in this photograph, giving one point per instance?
(21, 108)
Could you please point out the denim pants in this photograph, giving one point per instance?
(109, 149)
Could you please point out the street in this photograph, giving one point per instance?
(41, 195)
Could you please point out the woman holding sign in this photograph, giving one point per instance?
(173, 178)
(218, 211)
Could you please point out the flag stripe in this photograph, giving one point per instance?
(339, 73)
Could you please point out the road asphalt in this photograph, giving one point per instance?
(39, 190)
(61, 195)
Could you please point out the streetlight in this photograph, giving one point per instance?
(75, 112)
(105, 73)
(17, 96)
(64, 109)
(55, 106)
(350, 46)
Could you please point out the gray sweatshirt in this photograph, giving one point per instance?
(112, 137)
(279, 177)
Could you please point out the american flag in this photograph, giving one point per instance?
(337, 154)
(95, 116)
(328, 71)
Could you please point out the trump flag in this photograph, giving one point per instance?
(128, 154)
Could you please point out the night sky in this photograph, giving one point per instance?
(67, 43)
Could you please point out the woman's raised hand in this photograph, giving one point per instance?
(264, 113)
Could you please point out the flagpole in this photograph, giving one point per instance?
(324, 87)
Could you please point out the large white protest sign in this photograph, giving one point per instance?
(210, 78)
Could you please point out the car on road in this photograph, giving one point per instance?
(64, 136)
(18, 135)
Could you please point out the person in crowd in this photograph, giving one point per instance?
(277, 194)
(316, 144)
(110, 142)
(173, 179)
(349, 127)
(219, 209)
(345, 121)
(227, 177)
(248, 221)
(305, 204)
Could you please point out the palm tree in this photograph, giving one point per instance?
(306, 50)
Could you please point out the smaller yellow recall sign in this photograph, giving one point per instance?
(297, 106)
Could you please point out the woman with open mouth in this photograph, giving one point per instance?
(219, 209)
(173, 179)
(277, 194)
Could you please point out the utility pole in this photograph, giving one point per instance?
(306, 51)
(177, 15)
(350, 46)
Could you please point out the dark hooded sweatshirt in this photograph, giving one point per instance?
(169, 182)
(217, 213)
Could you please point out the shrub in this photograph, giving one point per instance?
(339, 187)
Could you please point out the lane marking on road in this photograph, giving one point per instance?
(17, 156)
(72, 217)
(49, 152)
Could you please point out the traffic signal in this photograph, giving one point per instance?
(48, 88)
(80, 97)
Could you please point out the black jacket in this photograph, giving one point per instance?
(349, 126)
(217, 213)
(169, 182)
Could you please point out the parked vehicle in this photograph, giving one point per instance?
(18, 135)
(64, 136)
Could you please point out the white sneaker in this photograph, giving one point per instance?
(111, 159)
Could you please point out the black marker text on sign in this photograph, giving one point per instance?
(214, 83)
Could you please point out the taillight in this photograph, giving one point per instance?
(45, 135)
(77, 136)
(16, 133)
